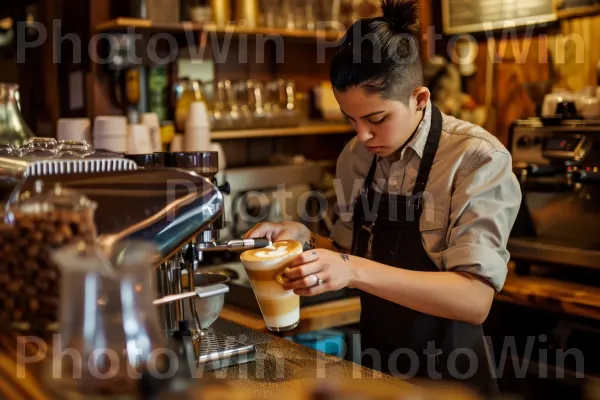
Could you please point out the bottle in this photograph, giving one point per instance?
(221, 10)
(13, 129)
(157, 92)
(188, 92)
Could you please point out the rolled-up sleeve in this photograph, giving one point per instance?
(484, 208)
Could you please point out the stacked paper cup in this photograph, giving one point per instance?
(197, 129)
(151, 120)
(73, 129)
(139, 140)
(110, 133)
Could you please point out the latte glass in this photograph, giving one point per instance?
(265, 269)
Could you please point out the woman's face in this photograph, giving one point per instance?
(383, 125)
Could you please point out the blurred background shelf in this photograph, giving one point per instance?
(313, 128)
(581, 11)
(122, 24)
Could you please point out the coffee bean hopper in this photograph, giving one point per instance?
(170, 199)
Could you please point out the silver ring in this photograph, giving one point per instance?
(319, 280)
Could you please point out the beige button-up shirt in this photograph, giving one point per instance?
(471, 201)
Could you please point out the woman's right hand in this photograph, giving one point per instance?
(280, 231)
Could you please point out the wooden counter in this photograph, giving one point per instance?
(282, 365)
(282, 369)
(545, 289)
(556, 290)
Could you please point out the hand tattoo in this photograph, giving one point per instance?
(309, 246)
(345, 257)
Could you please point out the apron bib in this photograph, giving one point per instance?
(395, 339)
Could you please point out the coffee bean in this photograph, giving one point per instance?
(66, 231)
(48, 274)
(17, 315)
(29, 280)
(56, 239)
(30, 291)
(46, 227)
(25, 224)
(14, 286)
(34, 305)
(30, 264)
(9, 303)
(75, 218)
(42, 285)
(52, 301)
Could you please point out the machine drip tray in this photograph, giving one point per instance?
(227, 343)
(242, 296)
(552, 250)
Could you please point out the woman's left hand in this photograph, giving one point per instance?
(336, 270)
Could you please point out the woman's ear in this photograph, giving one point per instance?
(422, 96)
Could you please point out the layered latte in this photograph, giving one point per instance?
(265, 269)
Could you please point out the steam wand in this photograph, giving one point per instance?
(235, 245)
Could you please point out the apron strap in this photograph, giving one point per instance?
(369, 179)
(431, 146)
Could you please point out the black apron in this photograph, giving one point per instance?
(410, 343)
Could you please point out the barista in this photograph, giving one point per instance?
(425, 202)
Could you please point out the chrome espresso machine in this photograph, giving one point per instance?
(559, 170)
(170, 199)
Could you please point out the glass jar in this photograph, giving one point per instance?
(13, 129)
(37, 224)
(108, 317)
(9, 150)
(39, 147)
(74, 149)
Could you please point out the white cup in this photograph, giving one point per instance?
(138, 140)
(152, 121)
(197, 129)
(117, 144)
(219, 149)
(197, 115)
(177, 143)
(73, 129)
(110, 126)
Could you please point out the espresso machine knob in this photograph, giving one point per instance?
(225, 188)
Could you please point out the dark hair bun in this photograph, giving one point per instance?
(403, 15)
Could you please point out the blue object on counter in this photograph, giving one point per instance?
(328, 341)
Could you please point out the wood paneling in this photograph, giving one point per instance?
(516, 64)
(99, 85)
(576, 52)
(566, 59)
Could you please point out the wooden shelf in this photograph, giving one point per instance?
(578, 12)
(123, 24)
(302, 130)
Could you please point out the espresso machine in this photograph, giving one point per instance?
(170, 199)
(558, 167)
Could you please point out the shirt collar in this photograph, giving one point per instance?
(417, 143)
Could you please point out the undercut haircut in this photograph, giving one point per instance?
(381, 54)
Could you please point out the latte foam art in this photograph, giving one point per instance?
(273, 253)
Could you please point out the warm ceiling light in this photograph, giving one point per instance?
(6, 24)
